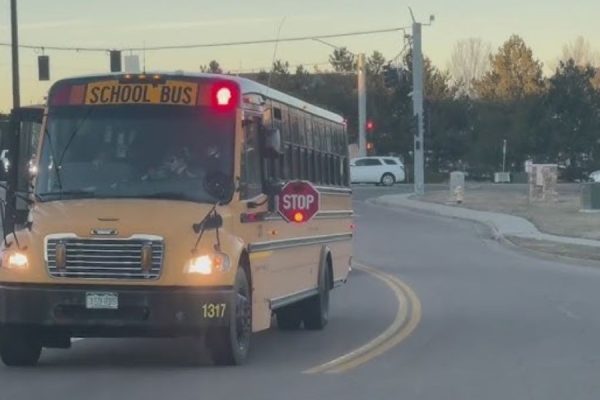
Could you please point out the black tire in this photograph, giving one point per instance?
(289, 318)
(20, 348)
(230, 345)
(388, 179)
(315, 310)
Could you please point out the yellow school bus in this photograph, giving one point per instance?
(153, 212)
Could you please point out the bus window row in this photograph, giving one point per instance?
(318, 167)
(306, 130)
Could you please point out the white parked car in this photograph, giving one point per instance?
(595, 176)
(379, 170)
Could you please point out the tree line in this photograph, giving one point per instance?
(482, 98)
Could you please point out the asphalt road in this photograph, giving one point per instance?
(494, 324)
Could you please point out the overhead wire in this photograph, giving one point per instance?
(206, 45)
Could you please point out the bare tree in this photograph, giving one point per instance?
(213, 67)
(581, 52)
(469, 62)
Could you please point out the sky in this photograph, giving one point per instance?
(546, 25)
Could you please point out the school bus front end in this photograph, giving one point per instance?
(152, 214)
(130, 229)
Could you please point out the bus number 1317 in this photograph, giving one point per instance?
(213, 310)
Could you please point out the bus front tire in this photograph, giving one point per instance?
(315, 310)
(229, 345)
(19, 348)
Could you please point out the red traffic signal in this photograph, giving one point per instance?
(370, 126)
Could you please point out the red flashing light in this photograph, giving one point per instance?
(225, 95)
(370, 126)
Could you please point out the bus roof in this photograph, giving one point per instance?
(247, 86)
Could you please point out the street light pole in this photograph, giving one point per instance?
(15, 54)
(362, 105)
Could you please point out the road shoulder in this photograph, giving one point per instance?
(516, 232)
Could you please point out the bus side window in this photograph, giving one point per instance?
(310, 163)
(285, 120)
(308, 130)
(289, 167)
(317, 167)
(251, 183)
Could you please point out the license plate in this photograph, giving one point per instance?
(101, 301)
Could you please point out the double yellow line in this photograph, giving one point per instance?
(408, 316)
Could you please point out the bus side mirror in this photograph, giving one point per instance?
(271, 142)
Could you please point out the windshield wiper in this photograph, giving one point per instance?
(54, 160)
(57, 161)
(62, 193)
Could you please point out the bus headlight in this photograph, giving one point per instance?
(14, 260)
(208, 263)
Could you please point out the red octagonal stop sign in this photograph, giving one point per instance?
(298, 201)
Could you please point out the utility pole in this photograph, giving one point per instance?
(15, 54)
(418, 95)
(362, 105)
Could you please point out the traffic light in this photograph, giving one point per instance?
(370, 126)
(43, 68)
(390, 77)
(115, 61)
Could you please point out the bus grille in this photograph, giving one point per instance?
(105, 258)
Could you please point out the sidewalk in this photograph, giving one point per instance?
(515, 229)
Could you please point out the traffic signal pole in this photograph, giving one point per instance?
(417, 96)
(15, 55)
(362, 105)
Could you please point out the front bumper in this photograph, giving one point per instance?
(142, 311)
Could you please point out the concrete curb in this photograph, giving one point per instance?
(502, 225)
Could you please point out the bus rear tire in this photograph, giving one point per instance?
(315, 310)
(230, 345)
(19, 348)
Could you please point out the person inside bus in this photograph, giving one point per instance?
(175, 164)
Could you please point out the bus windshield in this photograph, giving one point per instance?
(134, 151)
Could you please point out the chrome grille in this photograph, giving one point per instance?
(105, 258)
